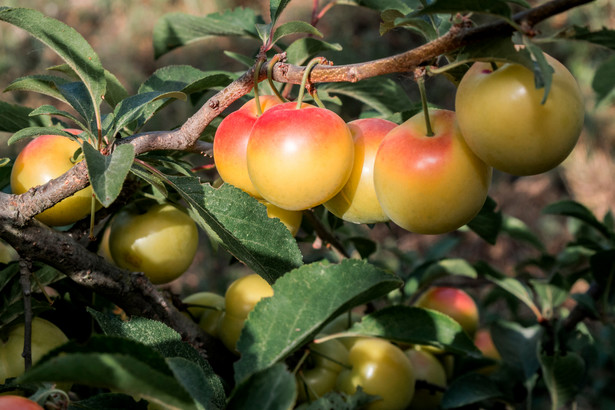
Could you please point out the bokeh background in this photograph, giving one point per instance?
(120, 31)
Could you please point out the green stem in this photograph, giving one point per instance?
(421, 83)
(257, 71)
(304, 80)
(494, 66)
(272, 63)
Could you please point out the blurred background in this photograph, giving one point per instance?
(120, 31)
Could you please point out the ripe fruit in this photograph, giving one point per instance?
(18, 403)
(45, 337)
(43, 159)
(484, 342)
(319, 373)
(429, 369)
(314, 383)
(291, 219)
(382, 369)
(357, 201)
(503, 121)
(453, 302)
(240, 298)
(429, 185)
(209, 311)
(299, 158)
(160, 242)
(231, 141)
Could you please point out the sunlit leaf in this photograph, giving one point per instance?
(107, 173)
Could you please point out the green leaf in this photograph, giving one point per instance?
(488, 222)
(36, 131)
(517, 229)
(604, 37)
(178, 29)
(194, 380)
(67, 43)
(496, 7)
(303, 301)
(380, 93)
(51, 110)
(168, 343)
(550, 294)
(107, 173)
(511, 285)
(342, 401)
(452, 266)
(241, 222)
(604, 79)
(382, 5)
(138, 108)
(303, 49)
(76, 94)
(115, 363)
(42, 84)
(563, 374)
(272, 388)
(184, 78)
(518, 345)
(579, 211)
(275, 9)
(15, 117)
(469, 389)
(498, 49)
(543, 72)
(415, 325)
(108, 401)
(294, 27)
(392, 19)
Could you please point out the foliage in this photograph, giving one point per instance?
(554, 341)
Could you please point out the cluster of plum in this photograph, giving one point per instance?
(429, 175)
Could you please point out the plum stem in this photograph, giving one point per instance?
(421, 82)
(273, 61)
(306, 75)
(259, 109)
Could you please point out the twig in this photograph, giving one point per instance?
(26, 288)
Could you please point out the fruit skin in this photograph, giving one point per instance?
(239, 300)
(382, 369)
(161, 242)
(231, 142)
(429, 185)
(18, 403)
(45, 337)
(290, 219)
(208, 318)
(503, 121)
(357, 201)
(453, 302)
(484, 342)
(299, 158)
(7, 253)
(321, 368)
(43, 159)
(427, 368)
(315, 383)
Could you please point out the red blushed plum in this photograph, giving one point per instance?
(429, 184)
(357, 201)
(504, 121)
(43, 159)
(453, 302)
(299, 158)
(231, 142)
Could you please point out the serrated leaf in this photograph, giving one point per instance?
(178, 29)
(380, 93)
(563, 375)
(51, 110)
(496, 7)
(275, 9)
(169, 344)
(303, 49)
(469, 389)
(415, 325)
(517, 229)
(294, 27)
(604, 79)
(500, 49)
(272, 388)
(116, 363)
(76, 94)
(518, 345)
(136, 107)
(341, 401)
(488, 222)
(67, 43)
(303, 301)
(576, 210)
(241, 222)
(15, 117)
(184, 78)
(42, 84)
(107, 173)
(36, 131)
(193, 379)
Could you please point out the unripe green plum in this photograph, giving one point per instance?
(503, 119)
(209, 311)
(357, 201)
(429, 184)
